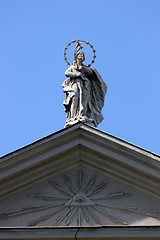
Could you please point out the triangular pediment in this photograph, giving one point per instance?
(79, 176)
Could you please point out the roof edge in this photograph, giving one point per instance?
(71, 128)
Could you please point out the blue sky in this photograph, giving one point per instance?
(126, 36)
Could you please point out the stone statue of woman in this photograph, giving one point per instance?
(85, 93)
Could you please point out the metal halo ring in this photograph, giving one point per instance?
(74, 41)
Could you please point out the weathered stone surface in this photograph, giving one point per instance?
(80, 176)
(80, 198)
(85, 93)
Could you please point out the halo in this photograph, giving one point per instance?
(78, 47)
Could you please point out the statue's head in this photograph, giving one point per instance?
(80, 56)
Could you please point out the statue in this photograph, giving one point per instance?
(85, 91)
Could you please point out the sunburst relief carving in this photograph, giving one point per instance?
(82, 203)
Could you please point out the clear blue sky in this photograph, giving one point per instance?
(126, 36)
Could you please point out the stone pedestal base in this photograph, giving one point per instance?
(83, 119)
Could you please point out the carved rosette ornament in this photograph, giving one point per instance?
(84, 88)
(84, 202)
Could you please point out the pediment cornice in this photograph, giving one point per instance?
(73, 233)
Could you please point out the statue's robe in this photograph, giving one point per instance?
(97, 90)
